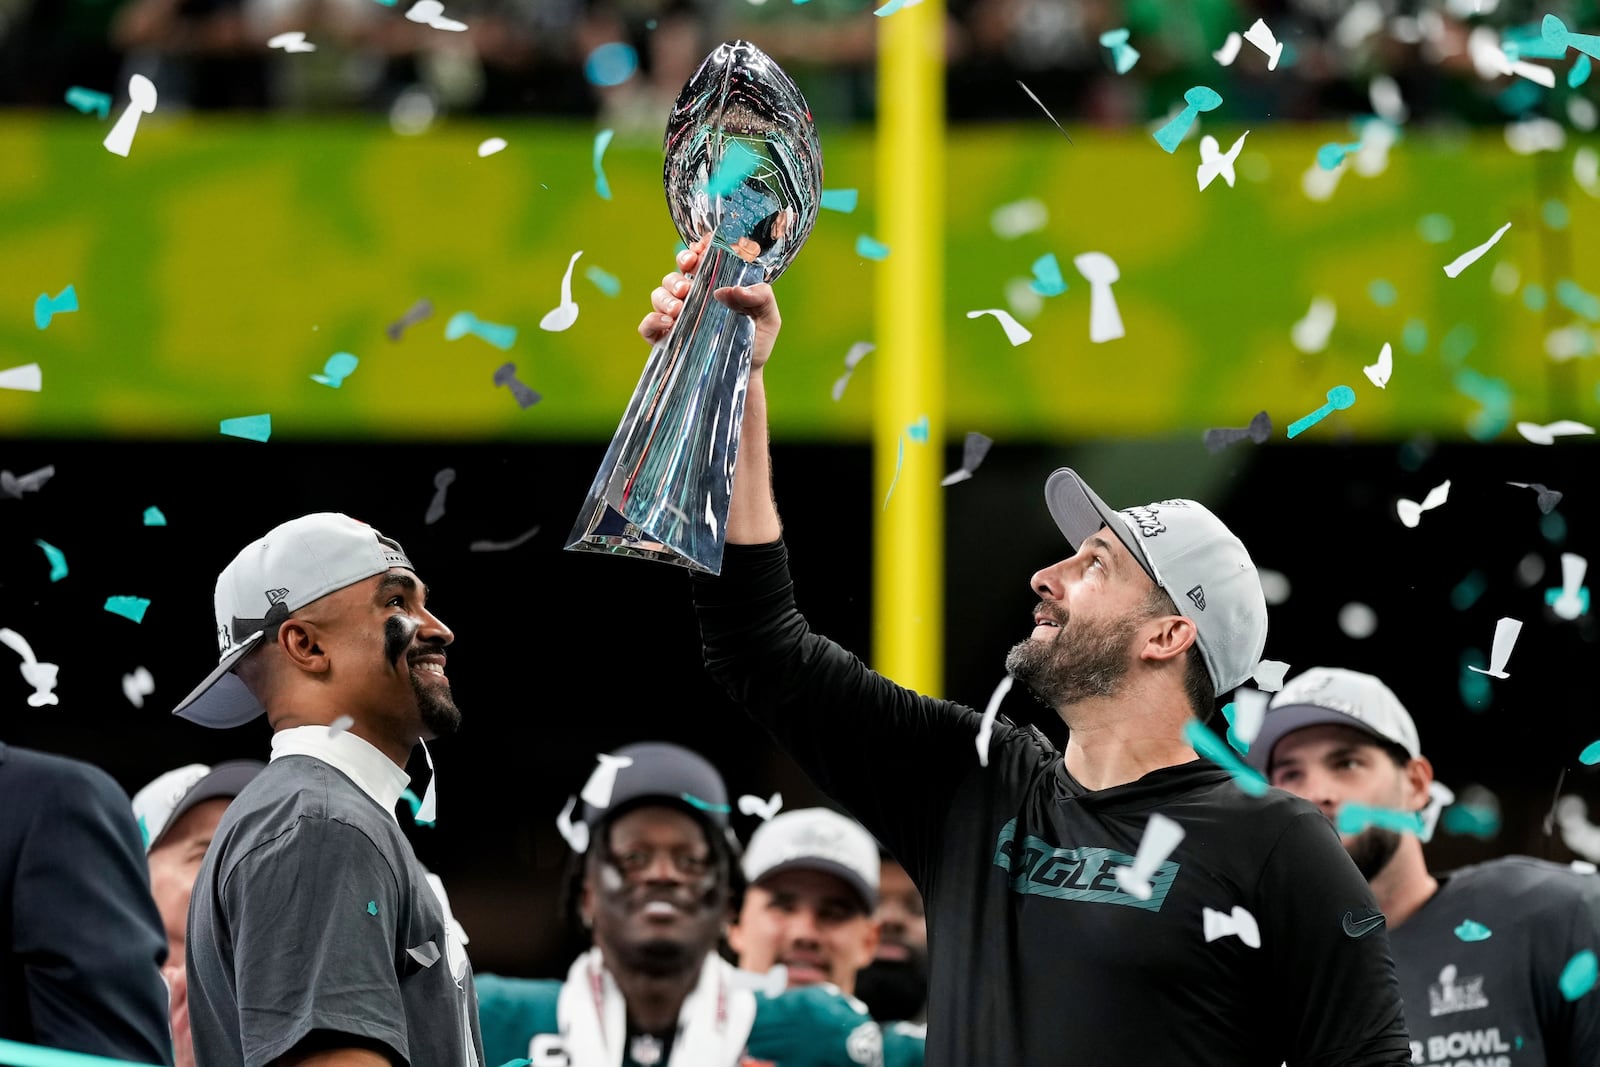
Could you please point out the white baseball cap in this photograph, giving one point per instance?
(299, 561)
(816, 839)
(164, 801)
(1189, 553)
(1334, 695)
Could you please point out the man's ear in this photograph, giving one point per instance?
(1167, 637)
(1418, 774)
(298, 638)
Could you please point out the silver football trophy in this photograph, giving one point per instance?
(743, 164)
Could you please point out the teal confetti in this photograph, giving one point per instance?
(1578, 976)
(601, 186)
(1354, 818)
(153, 516)
(868, 248)
(1554, 527)
(738, 163)
(1435, 228)
(1383, 292)
(129, 607)
(58, 560)
(899, 459)
(87, 100)
(918, 431)
(1495, 396)
(249, 427)
(1591, 755)
(1573, 297)
(891, 7)
(1198, 99)
(465, 322)
(372, 907)
(47, 307)
(1339, 398)
(338, 367)
(1330, 155)
(16, 1054)
(519, 1063)
(1208, 745)
(1047, 279)
(1533, 297)
(415, 802)
(1470, 931)
(1555, 214)
(1530, 41)
(611, 64)
(1468, 590)
(1471, 820)
(842, 200)
(1552, 595)
(1415, 335)
(606, 283)
(144, 832)
(704, 805)
(1579, 72)
(1234, 739)
(1458, 343)
(1123, 55)
(1476, 692)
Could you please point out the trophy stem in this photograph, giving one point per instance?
(664, 488)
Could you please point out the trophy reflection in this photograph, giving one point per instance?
(744, 166)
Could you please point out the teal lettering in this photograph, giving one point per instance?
(1036, 868)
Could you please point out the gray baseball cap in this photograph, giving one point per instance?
(165, 800)
(816, 839)
(297, 562)
(1334, 695)
(1189, 553)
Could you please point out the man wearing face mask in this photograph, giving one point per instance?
(1483, 953)
(316, 938)
(655, 884)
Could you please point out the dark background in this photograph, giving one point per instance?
(561, 655)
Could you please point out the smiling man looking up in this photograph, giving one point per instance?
(1039, 952)
(315, 935)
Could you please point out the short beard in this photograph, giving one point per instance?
(894, 990)
(440, 716)
(1372, 849)
(1082, 660)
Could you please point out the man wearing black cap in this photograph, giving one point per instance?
(178, 814)
(1068, 893)
(655, 883)
(315, 935)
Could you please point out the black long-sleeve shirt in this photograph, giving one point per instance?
(1037, 955)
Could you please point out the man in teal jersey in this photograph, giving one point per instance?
(656, 883)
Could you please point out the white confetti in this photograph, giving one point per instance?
(340, 725)
(1260, 35)
(1214, 162)
(749, 804)
(1100, 271)
(138, 685)
(42, 676)
(1161, 836)
(1357, 621)
(1568, 604)
(1013, 220)
(1505, 639)
(293, 41)
(986, 724)
(564, 314)
(1547, 433)
(603, 779)
(1016, 333)
(1471, 256)
(431, 13)
(1310, 334)
(576, 834)
(141, 101)
(491, 146)
(1378, 373)
(426, 953)
(1240, 924)
(1250, 710)
(428, 812)
(1440, 796)
(1269, 674)
(1229, 50)
(857, 353)
(1410, 511)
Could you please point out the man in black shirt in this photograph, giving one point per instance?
(1048, 943)
(1480, 951)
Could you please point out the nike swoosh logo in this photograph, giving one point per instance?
(1361, 929)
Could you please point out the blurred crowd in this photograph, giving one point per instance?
(529, 56)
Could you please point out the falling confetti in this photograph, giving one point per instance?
(764, 809)
(1123, 55)
(602, 187)
(1340, 397)
(420, 311)
(857, 353)
(1330, 155)
(431, 13)
(129, 607)
(1217, 751)
(426, 953)
(1410, 511)
(249, 427)
(1578, 976)
(293, 41)
(1572, 599)
(1100, 271)
(1357, 621)
(1354, 818)
(57, 558)
(42, 676)
(503, 546)
(1259, 431)
(1378, 374)
(1269, 674)
(1035, 98)
(602, 781)
(1547, 434)
(564, 314)
(1470, 931)
(1260, 35)
(1161, 836)
(1310, 334)
(372, 907)
(1240, 924)
(869, 248)
(1249, 711)
(138, 685)
(606, 283)
(86, 101)
(918, 431)
(841, 200)
(490, 146)
(506, 376)
(154, 517)
(1214, 162)
(47, 307)
(1016, 333)
(899, 461)
(465, 322)
(14, 485)
(973, 451)
(990, 712)
(1505, 638)
(1229, 50)
(1198, 99)
(441, 483)
(340, 725)
(1047, 280)
(338, 367)
(141, 101)
(1471, 256)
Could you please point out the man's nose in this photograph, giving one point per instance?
(434, 630)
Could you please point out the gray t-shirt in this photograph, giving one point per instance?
(1480, 967)
(312, 913)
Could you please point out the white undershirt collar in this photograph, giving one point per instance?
(375, 774)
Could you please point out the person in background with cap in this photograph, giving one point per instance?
(813, 885)
(315, 935)
(1480, 951)
(178, 815)
(894, 986)
(1048, 939)
(84, 950)
(655, 878)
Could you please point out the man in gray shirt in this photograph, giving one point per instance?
(315, 935)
